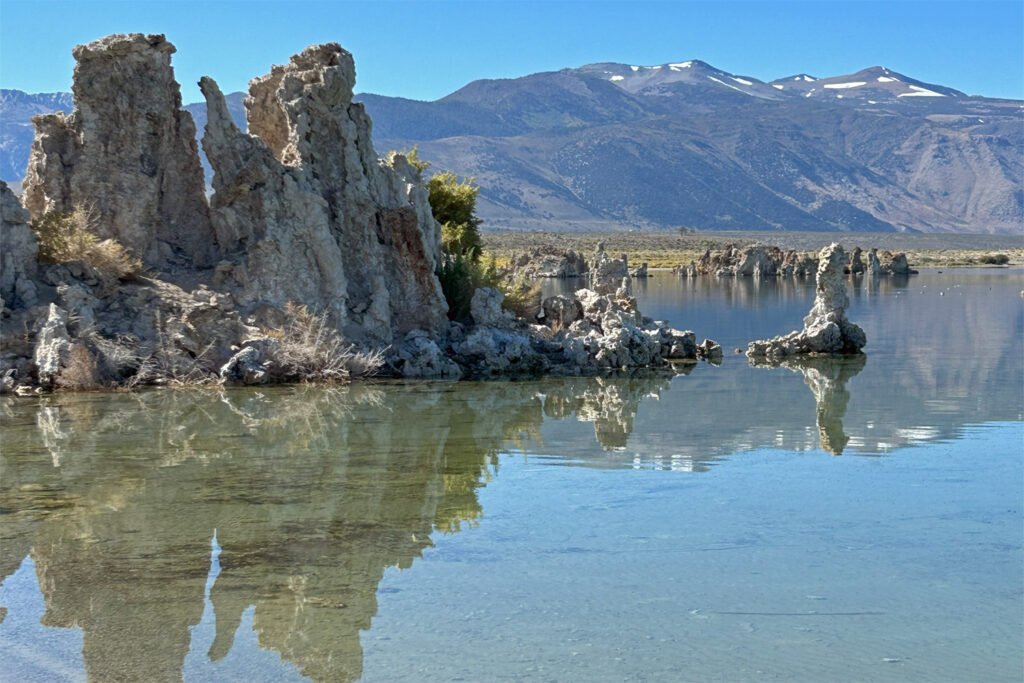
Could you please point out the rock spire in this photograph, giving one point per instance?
(826, 328)
(307, 213)
(127, 153)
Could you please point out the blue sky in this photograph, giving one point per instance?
(425, 50)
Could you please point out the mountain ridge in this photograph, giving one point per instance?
(615, 146)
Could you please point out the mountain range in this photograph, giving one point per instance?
(615, 146)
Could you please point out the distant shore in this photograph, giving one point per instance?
(667, 249)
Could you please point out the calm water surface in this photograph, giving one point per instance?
(857, 520)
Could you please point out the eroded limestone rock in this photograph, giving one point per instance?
(826, 328)
(547, 262)
(641, 271)
(127, 153)
(609, 275)
(307, 213)
(486, 311)
(53, 343)
(18, 252)
(856, 264)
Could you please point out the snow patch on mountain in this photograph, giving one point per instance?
(727, 85)
(852, 84)
(921, 92)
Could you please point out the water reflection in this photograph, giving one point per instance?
(827, 377)
(313, 493)
(310, 493)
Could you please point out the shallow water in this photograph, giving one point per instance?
(689, 527)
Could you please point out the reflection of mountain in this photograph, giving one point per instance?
(827, 378)
(310, 493)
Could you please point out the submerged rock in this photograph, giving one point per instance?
(826, 328)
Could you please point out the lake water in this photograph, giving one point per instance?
(839, 521)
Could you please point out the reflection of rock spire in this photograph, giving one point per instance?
(827, 377)
(312, 493)
(611, 403)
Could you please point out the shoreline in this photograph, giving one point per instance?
(663, 250)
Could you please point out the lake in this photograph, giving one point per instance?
(831, 520)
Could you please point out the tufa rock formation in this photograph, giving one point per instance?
(547, 262)
(765, 261)
(314, 259)
(305, 212)
(610, 275)
(18, 251)
(127, 152)
(826, 329)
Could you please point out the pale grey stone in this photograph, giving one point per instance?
(127, 153)
(826, 329)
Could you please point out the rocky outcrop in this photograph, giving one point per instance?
(766, 261)
(547, 262)
(687, 270)
(610, 275)
(754, 261)
(641, 271)
(797, 264)
(305, 211)
(321, 257)
(826, 328)
(856, 264)
(895, 264)
(127, 153)
(53, 345)
(18, 251)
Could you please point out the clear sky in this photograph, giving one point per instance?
(426, 49)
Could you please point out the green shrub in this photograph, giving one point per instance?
(522, 298)
(70, 236)
(460, 277)
(453, 203)
(995, 259)
(412, 156)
